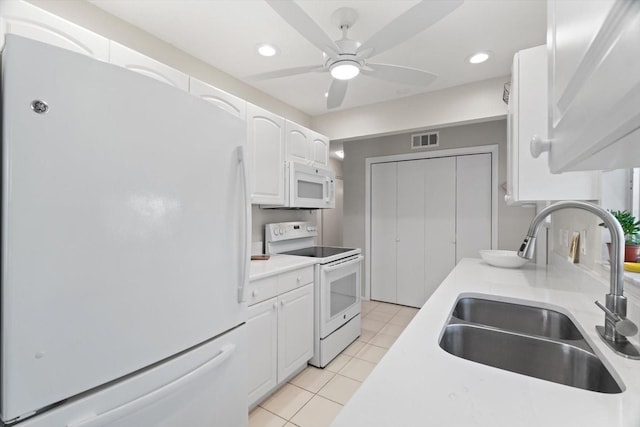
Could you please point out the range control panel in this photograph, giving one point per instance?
(289, 230)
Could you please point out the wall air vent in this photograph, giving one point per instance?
(425, 140)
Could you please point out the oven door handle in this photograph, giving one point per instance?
(343, 264)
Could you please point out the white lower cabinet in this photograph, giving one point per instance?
(295, 330)
(262, 328)
(280, 330)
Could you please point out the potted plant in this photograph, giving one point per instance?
(631, 228)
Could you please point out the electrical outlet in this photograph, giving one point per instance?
(583, 242)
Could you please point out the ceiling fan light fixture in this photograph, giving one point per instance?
(345, 70)
(478, 58)
(267, 50)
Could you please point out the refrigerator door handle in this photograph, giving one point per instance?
(98, 420)
(246, 237)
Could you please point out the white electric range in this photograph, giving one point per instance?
(337, 286)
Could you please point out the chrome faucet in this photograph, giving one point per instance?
(616, 326)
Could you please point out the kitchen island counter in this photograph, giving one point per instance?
(417, 383)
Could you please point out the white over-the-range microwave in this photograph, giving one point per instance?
(308, 187)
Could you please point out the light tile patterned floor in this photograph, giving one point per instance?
(315, 396)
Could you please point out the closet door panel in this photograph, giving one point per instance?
(473, 205)
(440, 221)
(411, 224)
(383, 231)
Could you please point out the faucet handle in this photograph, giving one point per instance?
(622, 325)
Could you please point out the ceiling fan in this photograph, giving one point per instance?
(346, 58)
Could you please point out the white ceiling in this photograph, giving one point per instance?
(225, 34)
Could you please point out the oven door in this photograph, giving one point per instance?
(311, 187)
(339, 293)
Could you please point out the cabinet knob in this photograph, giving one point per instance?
(281, 303)
(539, 146)
(275, 305)
(298, 279)
(254, 293)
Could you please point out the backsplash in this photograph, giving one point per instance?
(260, 217)
(565, 223)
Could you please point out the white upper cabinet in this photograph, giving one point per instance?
(27, 20)
(224, 100)
(266, 143)
(298, 142)
(135, 61)
(306, 146)
(529, 179)
(319, 149)
(594, 69)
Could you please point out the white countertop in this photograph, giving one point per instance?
(418, 384)
(277, 264)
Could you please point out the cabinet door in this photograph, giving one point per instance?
(529, 179)
(595, 84)
(298, 142)
(265, 138)
(383, 231)
(319, 150)
(27, 20)
(262, 330)
(473, 205)
(135, 61)
(231, 104)
(295, 330)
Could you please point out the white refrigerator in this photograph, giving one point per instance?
(125, 221)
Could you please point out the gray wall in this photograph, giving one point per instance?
(513, 222)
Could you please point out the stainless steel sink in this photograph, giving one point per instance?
(517, 317)
(527, 340)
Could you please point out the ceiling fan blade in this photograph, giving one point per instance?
(302, 23)
(398, 74)
(287, 72)
(413, 21)
(337, 91)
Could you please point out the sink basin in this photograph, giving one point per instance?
(517, 317)
(527, 355)
(527, 340)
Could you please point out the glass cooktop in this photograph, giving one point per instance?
(318, 251)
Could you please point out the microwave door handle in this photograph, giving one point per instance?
(328, 189)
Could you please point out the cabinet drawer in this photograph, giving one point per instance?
(263, 289)
(294, 279)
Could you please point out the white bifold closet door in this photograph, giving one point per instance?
(383, 231)
(425, 216)
(473, 205)
(426, 213)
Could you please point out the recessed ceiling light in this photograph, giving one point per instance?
(326, 94)
(267, 50)
(478, 58)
